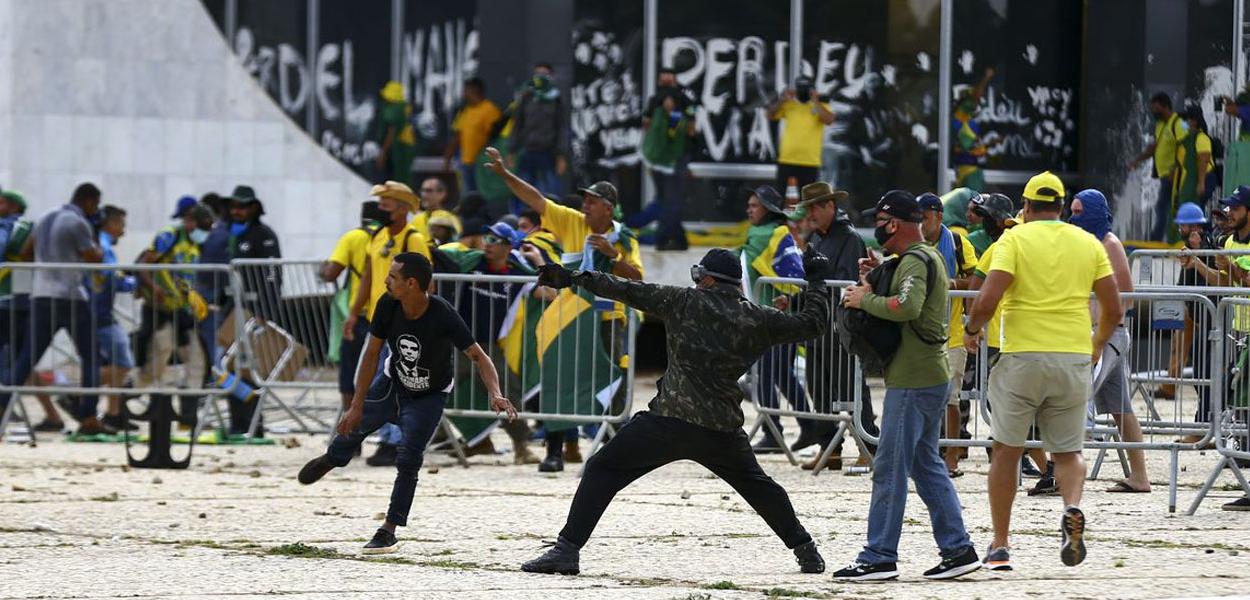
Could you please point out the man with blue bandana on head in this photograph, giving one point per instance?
(1110, 389)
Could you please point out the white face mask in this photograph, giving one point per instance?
(198, 236)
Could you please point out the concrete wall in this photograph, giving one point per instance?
(143, 98)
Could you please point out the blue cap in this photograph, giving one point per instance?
(504, 231)
(1239, 197)
(929, 201)
(185, 204)
(1190, 214)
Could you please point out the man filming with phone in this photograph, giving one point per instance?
(805, 116)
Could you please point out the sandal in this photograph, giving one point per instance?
(955, 473)
(1123, 487)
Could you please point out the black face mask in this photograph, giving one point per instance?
(881, 235)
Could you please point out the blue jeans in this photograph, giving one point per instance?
(207, 330)
(910, 423)
(390, 433)
(777, 370)
(48, 316)
(538, 167)
(468, 177)
(417, 415)
(1163, 211)
(671, 189)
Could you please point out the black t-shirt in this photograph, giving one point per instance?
(420, 348)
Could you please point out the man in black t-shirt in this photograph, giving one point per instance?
(420, 331)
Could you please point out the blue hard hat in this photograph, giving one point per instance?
(1190, 214)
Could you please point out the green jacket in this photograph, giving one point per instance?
(916, 364)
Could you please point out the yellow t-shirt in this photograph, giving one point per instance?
(1202, 145)
(1241, 315)
(1167, 133)
(1055, 265)
(802, 134)
(570, 228)
(382, 250)
(956, 333)
(350, 252)
(474, 124)
(993, 329)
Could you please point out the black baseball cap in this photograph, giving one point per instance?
(601, 189)
(722, 264)
(1239, 197)
(899, 204)
(929, 201)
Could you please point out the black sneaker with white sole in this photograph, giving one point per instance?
(383, 542)
(961, 564)
(858, 571)
(1072, 525)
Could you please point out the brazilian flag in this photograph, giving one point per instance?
(578, 375)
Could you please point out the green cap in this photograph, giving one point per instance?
(15, 197)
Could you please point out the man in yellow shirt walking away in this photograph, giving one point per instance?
(1042, 274)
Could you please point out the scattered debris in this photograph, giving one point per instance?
(685, 495)
(157, 480)
(253, 473)
(203, 515)
(432, 470)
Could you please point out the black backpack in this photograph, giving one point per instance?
(873, 339)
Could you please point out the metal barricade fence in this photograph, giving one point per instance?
(130, 331)
(1230, 407)
(1162, 419)
(818, 379)
(564, 358)
(291, 319)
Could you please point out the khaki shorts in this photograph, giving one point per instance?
(959, 361)
(1049, 387)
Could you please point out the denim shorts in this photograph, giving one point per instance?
(114, 346)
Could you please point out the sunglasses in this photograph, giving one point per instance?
(494, 239)
(386, 250)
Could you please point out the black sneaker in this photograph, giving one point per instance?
(1027, 469)
(315, 470)
(950, 568)
(551, 464)
(767, 445)
(1045, 486)
(383, 542)
(47, 426)
(807, 439)
(119, 423)
(858, 571)
(384, 457)
(1240, 504)
(561, 559)
(809, 558)
(1072, 526)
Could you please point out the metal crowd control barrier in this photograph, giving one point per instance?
(1164, 417)
(136, 322)
(560, 358)
(820, 382)
(286, 319)
(1231, 405)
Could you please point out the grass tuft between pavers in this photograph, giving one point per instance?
(303, 550)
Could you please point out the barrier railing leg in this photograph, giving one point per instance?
(1206, 487)
(453, 437)
(1172, 479)
(755, 427)
(1093, 472)
(828, 451)
(776, 433)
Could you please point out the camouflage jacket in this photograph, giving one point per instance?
(713, 337)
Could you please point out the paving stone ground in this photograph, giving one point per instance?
(75, 522)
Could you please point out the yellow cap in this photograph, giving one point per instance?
(1044, 187)
(393, 91)
(445, 219)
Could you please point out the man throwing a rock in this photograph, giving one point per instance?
(714, 335)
